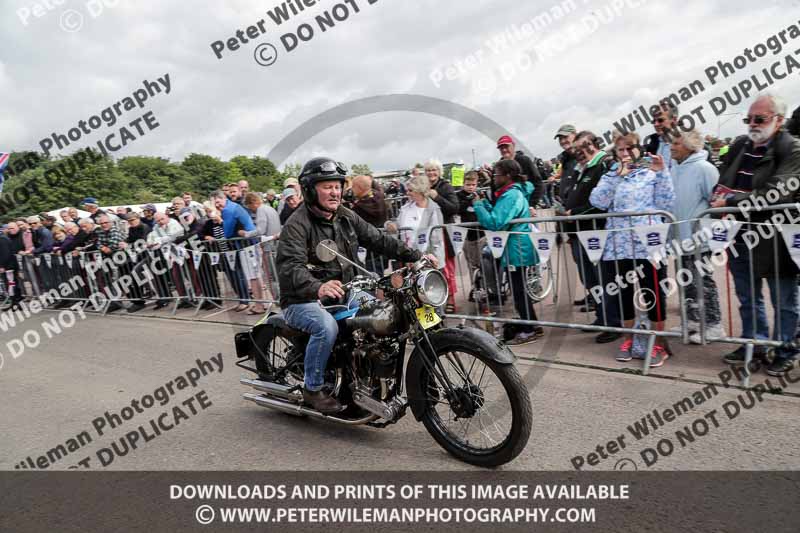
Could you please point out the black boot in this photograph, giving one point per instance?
(322, 402)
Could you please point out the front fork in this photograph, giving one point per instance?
(432, 363)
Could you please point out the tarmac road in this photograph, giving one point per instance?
(52, 393)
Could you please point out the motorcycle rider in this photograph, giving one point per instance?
(305, 279)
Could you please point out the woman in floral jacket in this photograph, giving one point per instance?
(633, 186)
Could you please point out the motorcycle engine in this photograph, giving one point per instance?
(380, 353)
(381, 318)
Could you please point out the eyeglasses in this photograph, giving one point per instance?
(757, 119)
(659, 120)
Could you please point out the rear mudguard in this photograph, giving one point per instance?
(441, 340)
(247, 342)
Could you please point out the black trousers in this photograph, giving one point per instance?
(522, 301)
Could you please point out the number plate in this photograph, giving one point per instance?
(427, 316)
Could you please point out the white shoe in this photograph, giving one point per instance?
(712, 332)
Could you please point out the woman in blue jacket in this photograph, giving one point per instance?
(511, 195)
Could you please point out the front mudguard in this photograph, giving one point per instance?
(451, 338)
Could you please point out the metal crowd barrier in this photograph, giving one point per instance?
(239, 269)
(742, 241)
(192, 274)
(492, 300)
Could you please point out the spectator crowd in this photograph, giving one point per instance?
(672, 170)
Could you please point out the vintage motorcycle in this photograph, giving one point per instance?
(461, 383)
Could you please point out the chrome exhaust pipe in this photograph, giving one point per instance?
(273, 389)
(299, 410)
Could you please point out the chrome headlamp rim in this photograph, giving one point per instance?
(435, 276)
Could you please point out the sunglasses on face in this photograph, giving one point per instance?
(659, 120)
(757, 119)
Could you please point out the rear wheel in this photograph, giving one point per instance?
(278, 358)
(486, 419)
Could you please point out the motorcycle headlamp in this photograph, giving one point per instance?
(432, 288)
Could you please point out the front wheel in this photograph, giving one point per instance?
(486, 418)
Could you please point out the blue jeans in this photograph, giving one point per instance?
(319, 323)
(751, 302)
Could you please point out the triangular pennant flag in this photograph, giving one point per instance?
(167, 251)
(719, 233)
(48, 259)
(251, 256)
(231, 257)
(196, 257)
(98, 257)
(37, 261)
(458, 236)
(497, 242)
(81, 260)
(791, 237)
(214, 258)
(68, 257)
(654, 239)
(362, 254)
(593, 242)
(423, 240)
(544, 243)
(60, 260)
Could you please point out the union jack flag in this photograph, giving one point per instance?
(4, 157)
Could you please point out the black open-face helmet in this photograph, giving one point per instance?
(316, 171)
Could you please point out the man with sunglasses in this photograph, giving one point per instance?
(305, 279)
(592, 164)
(763, 162)
(664, 123)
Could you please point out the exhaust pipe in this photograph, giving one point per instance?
(299, 410)
(273, 389)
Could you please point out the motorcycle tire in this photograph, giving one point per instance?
(520, 407)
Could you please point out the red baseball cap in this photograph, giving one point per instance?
(505, 139)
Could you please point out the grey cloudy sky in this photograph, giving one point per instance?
(51, 78)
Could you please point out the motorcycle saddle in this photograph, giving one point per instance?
(278, 322)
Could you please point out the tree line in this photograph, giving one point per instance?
(131, 180)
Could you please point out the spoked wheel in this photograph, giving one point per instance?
(539, 281)
(280, 358)
(486, 419)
